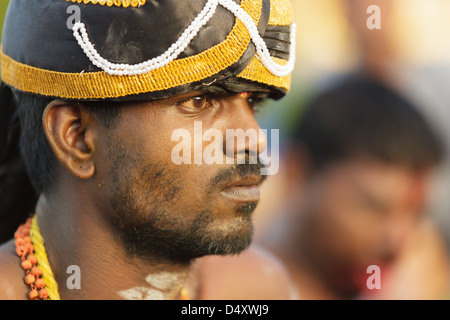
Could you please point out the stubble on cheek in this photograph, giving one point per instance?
(162, 214)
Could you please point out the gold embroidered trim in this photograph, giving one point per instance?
(110, 3)
(100, 85)
(256, 71)
(280, 13)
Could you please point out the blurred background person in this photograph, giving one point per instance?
(410, 55)
(359, 167)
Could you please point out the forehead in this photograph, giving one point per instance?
(388, 181)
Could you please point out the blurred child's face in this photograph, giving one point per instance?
(359, 214)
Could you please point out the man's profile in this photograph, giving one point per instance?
(88, 114)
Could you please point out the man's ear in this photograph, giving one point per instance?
(70, 132)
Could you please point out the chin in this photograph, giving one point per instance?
(208, 234)
(227, 236)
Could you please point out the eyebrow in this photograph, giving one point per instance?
(180, 97)
(374, 201)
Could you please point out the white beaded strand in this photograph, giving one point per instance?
(261, 48)
(80, 33)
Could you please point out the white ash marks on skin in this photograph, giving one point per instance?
(165, 285)
(166, 280)
(141, 293)
(268, 270)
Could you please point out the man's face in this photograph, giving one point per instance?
(360, 212)
(181, 211)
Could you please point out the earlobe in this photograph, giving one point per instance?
(68, 128)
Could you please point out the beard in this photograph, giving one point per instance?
(152, 222)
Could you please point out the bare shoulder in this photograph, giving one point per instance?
(255, 274)
(12, 286)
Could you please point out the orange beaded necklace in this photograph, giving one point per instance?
(25, 235)
(25, 250)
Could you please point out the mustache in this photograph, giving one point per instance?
(238, 171)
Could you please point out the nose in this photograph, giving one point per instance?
(243, 135)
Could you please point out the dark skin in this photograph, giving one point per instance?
(78, 214)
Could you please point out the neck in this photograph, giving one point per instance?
(76, 233)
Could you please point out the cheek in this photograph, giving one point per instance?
(195, 196)
(348, 231)
(159, 140)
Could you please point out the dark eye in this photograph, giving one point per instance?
(199, 102)
(252, 102)
(255, 101)
(196, 102)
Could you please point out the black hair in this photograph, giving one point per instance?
(27, 165)
(36, 152)
(361, 117)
